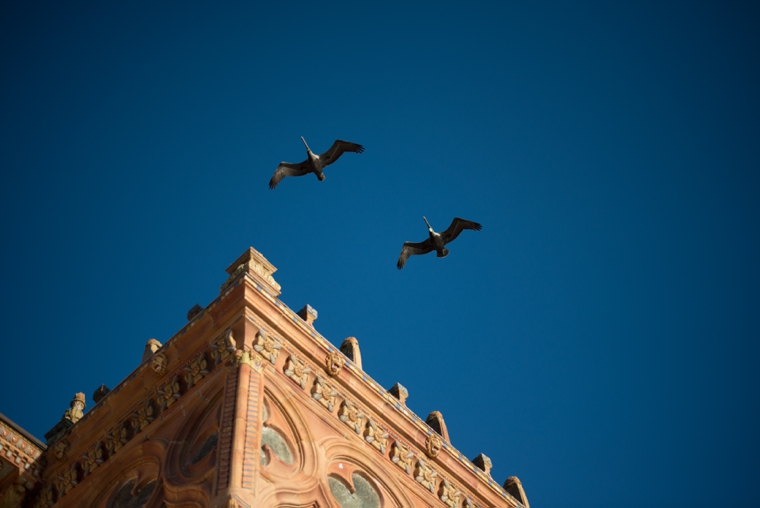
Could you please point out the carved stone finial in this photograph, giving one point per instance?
(76, 411)
(483, 463)
(194, 311)
(399, 392)
(100, 393)
(150, 347)
(435, 421)
(308, 314)
(258, 268)
(513, 486)
(350, 348)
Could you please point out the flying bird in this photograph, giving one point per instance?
(314, 163)
(436, 242)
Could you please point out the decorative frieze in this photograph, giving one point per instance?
(195, 370)
(267, 346)
(223, 347)
(324, 393)
(67, 479)
(296, 371)
(449, 494)
(376, 436)
(92, 459)
(143, 416)
(116, 438)
(402, 457)
(169, 393)
(351, 416)
(425, 476)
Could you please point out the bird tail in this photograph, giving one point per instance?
(443, 253)
(321, 177)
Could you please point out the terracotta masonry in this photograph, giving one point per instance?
(249, 406)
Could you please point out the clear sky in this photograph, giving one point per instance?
(599, 338)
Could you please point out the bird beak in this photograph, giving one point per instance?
(304, 143)
(426, 222)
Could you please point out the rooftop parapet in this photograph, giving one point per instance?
(256, 265)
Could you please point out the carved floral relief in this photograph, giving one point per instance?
(324, 393)
(376, 436)
(143, 416)
(425, 476)
(195, 370)
(169, 393)
(449, 494)
(296, 371)
(116, 438)
(267, 346)
(92, 459)
(402, 457)
(351, 416)
(66, 479)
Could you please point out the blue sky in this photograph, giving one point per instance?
(598, 338)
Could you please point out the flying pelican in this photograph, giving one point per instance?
(314, 163)
(436, 242)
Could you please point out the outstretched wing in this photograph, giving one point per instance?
(287, 169)
(457, 226)
(338, 148)
(411, 249)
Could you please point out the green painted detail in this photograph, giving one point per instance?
(364, 497)
(276, 443)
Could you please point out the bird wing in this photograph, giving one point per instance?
(411, 249)
(287, 169)
(338, 148)
(457, 226)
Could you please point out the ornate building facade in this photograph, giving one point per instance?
(246, 406)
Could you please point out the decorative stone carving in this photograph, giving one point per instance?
(143, 416)
(267, 346)
(158, 363)
(399, 392)
(376, 436)
(351, 416)
(66, 479)
(45, 498)
(223, 347)
(435, 422)
(333, 363)
(92, 459)
(350, 348)
(61, 449)
(257, 266)
(449, 494)
(150, 348)
(296, 371)
(433, 445)
(402, 457)
(324, 393)
(513, 486)
(169, 393)
(308, 314)
(195, 370)
(425, 476)
(116, 438)
(76, 411)
(100, 393)
(194, 311)
(483, 463)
